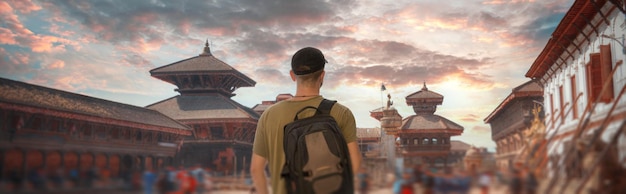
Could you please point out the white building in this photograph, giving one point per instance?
(586, 46)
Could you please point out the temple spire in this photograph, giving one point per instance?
(207, 49)
(425, 88)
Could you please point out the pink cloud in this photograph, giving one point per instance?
(471, 118)
(24, 6)
(6, 36)
(54, 28)
(17, 34)
(19, 58)
(58, 64)
(481, 130)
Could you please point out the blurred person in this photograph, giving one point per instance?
(403, 184)
(16, 179)
(530, 181)
(363, 181)
(192, 184)
(91, 175)
(199, 175)
(105, 176)
(149, 179)
(484, 181)
(428, 180)
(74, 176)
(208, 183)
(36, 178)
(169, 181)
(463, 181)
(56, 177)
(515, 183)
(417, 174)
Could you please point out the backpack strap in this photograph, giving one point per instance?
(325, 106)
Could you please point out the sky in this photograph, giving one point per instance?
(473, 52)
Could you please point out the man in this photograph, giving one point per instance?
(307, 70)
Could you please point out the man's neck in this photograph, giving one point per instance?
(305, 94)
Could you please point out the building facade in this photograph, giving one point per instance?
(582, 72)
(53, 133)
(223, 130)
(511, 119)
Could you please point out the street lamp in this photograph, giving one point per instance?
(616, 40)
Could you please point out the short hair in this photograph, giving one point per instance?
(310, 79)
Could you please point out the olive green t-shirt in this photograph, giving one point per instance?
(268, 141)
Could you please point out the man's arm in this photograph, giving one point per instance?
(257, 170)
(355, 156)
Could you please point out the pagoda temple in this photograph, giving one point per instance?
(223, 130)
(424, 138)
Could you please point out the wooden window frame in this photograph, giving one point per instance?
(574, 95)
(562, 105)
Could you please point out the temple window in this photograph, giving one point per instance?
(434, 140)
(101, 132)
(35, 123)
(159, 137)
(138, 136)
(415, 141)
(425, 141)
(54, 125)
(115, 133)
(86, 129)
(217, 133)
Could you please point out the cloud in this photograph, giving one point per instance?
(13, 32)
(24, 6)
(471, 118)
(58, 64)
(14, 63)
(132, 21)
(481, 129)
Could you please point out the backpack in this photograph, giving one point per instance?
(316, 154)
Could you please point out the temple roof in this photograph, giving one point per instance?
(260, 108)
(203, 74)
(203, 107)
(428, 122)
(531, 88)
(456, 145)
(424, 93)
(368, 132)
(21, 93)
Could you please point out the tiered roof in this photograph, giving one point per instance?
(20, 93)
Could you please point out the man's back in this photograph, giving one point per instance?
(268, 142)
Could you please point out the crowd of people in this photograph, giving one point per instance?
(194, 180)
(455, 181)
(54, 179)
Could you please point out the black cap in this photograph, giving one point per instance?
(307, 60)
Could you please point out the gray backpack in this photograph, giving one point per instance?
(316, 154)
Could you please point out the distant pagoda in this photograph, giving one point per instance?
(223, 129)
(424, 138)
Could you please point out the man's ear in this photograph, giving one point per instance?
(293, 75)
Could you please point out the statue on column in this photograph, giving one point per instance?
(389, 102)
